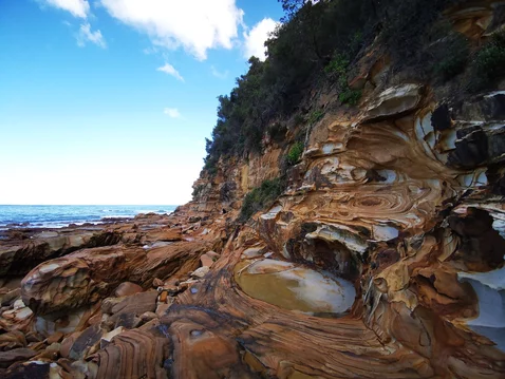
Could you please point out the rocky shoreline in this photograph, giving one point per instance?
(192, 295)
(383, 256)
(65, 293)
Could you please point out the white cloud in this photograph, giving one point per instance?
(219, 74)
(172, 112)
(197, 25)
(255, 39)
(78, 8)
(85, 35)
(170, 70)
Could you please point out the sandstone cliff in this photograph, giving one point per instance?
(383, 257)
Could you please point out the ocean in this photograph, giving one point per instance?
(58, 216)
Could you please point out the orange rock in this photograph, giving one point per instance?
(163, 297)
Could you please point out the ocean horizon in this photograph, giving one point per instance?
(59, 216)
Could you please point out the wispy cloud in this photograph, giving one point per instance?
(219, 74)
(170, 70)
(172, 112)
(196, 26)
(255, 39)
(86, 35)
(78, 8)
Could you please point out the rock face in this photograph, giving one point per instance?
(383, 258)
(89, 275)
(18, 257)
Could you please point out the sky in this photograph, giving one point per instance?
(110, 101)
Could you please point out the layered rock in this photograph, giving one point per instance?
(383, 257)
(89, 275)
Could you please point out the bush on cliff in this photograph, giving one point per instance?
(260, 198)
(404, 25)
(320, 42)
(295, 153)
(488, 66)
(451, 56)
(298, 53)
(197, 190)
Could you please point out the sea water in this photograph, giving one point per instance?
(57, 216)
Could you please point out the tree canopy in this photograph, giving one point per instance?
(316, 41)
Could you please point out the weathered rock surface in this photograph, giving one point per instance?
(19, 256)
(383, 258)
(89, 275)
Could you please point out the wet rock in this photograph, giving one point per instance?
(294, 287)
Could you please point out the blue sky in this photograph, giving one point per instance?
(110, 101)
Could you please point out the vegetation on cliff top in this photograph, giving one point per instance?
(320, 43)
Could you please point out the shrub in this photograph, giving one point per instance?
(299, 119)
(310, 39)
(316, 116)
(211, 164)
(197, 190)
(350, 96)
(405, 23)
(337, 66)
(295, 153)
(278, 132)
(489, 63)
(322, 39)
(260, 198)
(450, 55)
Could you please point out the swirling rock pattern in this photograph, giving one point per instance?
(402, 199)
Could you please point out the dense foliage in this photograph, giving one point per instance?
(298, 53)
(260, 198)
(295, 153)
(489, 63)
(320, 42)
